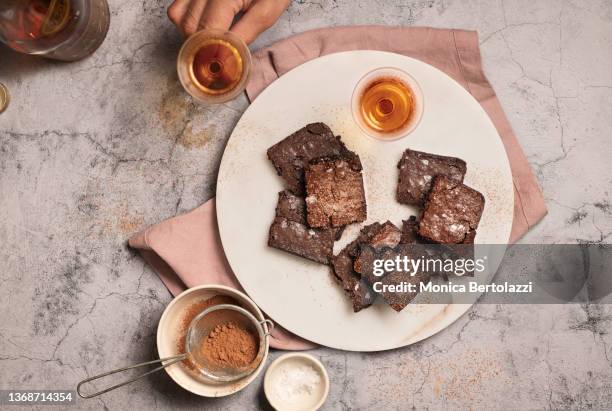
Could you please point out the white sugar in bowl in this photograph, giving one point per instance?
(296, 382)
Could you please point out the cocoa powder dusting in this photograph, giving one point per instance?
(229, 345)
(190, 313)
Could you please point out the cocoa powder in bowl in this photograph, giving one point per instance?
(190, 313)
(229, 345)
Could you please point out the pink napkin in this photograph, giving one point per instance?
(186, 250)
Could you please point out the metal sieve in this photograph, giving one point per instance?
(199, 329)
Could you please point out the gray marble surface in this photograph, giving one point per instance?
(93, 151)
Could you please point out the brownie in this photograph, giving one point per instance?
(357, 289)
(335, 193)
(441, 251)
(364, 262)
(471, 235)
(291, 155)
(291, 206)
(387, 236)
(386, 244)
(417, 170)
(452, 212)
(364, 265)
(409, 230)
(399, 300)
(289, 231)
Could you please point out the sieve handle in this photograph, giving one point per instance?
(270, 326)
(171, 360)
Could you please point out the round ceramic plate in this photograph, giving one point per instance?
(299, 294)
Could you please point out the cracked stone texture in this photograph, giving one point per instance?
(93, 151)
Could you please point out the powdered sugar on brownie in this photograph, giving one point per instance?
(335, 194)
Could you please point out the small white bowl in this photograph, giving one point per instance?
(168, 332)
(307, 402)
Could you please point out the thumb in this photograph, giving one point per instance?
(218, 14)
(260, 16)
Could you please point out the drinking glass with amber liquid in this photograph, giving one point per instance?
(387, 104)
(59, 29)
(213, 66)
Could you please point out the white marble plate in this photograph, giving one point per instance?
(301, 295)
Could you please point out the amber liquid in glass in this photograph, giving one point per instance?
(35, 19)
(60, 29)
(387, 105)
(27, 21)
(216, 67)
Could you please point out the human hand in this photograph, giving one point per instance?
(194, 15)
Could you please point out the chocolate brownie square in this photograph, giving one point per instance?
(398, 300)
(289, 231)
(439, 251)
(452, 212)
(387, 236)
(357, 289)
(335, 194)
(417, 170)
(291, 155)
